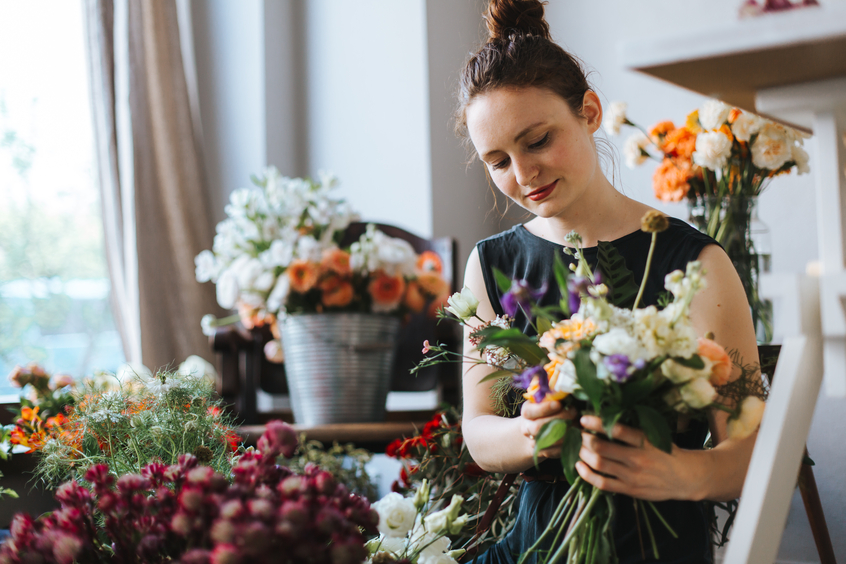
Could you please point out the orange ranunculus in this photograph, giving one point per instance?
(414, 299)
(692, 122)
(659, 131)
(670, 181)
(386, 291)
(303, 275)
(432, 284)
(721, 363)
(680, 143)
(337, 261)
(734, 114)
(429, 261)
(337, 292)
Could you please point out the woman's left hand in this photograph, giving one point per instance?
(634, 466)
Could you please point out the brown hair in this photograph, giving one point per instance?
(519, 53)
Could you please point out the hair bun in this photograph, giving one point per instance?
(507, 16)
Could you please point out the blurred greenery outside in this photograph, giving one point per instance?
(54, 285)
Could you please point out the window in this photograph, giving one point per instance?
(54, 285)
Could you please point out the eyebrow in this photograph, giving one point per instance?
(519, 136)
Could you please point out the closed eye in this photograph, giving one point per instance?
(541, 143)
(500, 164)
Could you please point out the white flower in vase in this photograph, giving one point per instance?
(206, 266)
(634, 149)
(227, 289)
(713, 114)
(772, 148)
(746, 125)
(615, 117)
(713, 149)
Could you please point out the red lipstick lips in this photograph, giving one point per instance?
(542, 192)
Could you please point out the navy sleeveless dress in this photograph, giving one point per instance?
(524, 256)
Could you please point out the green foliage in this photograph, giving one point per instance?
(616, 275)
(345, 462)
(515, 341)
(6, 492)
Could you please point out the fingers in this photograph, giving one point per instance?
(622, 433)
(540, 410)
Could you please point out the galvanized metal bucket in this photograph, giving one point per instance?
(338, 366)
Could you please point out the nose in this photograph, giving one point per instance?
(525, 170)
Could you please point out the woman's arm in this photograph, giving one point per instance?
(497, 444)
(640, 470)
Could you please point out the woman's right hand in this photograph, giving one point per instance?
(533, 416)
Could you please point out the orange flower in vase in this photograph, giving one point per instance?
(387, 291)
(671, 180)
(303, 275)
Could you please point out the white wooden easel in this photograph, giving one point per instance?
(791, 67)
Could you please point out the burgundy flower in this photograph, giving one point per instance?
(278, 438)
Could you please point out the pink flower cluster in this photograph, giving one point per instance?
(187, 513)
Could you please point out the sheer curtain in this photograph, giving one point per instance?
(156, 208)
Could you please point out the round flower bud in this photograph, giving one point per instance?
(654, 221)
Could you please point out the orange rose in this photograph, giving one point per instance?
(429, 261)
(303, 275)
(670, 181)
(337, 261)
(386, 291)
(337, 292)
(432, 284)
(721, 367)
(680, 143)
(414, 299)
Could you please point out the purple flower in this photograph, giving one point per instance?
(520, 296)
(543, 387)
(524, 380)
(618, 365)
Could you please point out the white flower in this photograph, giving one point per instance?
(772, 147)
(463, 304)
(281, 253)
(421, 496)
(393, 545)
(133, 371)
(751, 412)
(619, 341)
(428, 544)
(615, 117)
(713, 149)
(698, 393)
(247, 269)
(660, 332)
(679, 374)
(206, 266)
(800, 157)
(746, 125)
(566, 381)
(634, 149)
(197, 367)
(264, 281)
(713, 114)
(396, 515)
(308, 248)
(227, 289)
(279, 295)
(208, 324)
(442, 558)
(273, 351)
(395, 256)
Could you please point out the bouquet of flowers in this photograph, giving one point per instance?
(719, 161)
(186, 512)
(412, 529)
(438, 456)
(640, 367)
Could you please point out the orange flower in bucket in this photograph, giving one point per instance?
(337, 261)
(432, 284)
(386, 291)
(680, 143)
(670, 181)
(414, 298)
(429, 261)
(337, 292)
(303, 275)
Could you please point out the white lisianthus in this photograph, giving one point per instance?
(421, 496)
(713, 114)
(619, 341)
(772, 147)
(279, 295)
(396, 515)
(264, 281)
(713, 149)
(634, 149)
(206, 266)
(463, 304)
(679, 374)
(227, 289)
(394, 545)
(800, 157)
(751, 413)
(442, 558)
(698, 393)
(615, 117)
(429, 545)
(566, 381)
(746, 125)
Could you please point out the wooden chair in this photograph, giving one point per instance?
(244, 368)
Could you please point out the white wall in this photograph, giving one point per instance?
(593, 31)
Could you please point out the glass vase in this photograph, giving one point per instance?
(733, 221)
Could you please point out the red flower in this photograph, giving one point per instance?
(392, 449)
(473, 470)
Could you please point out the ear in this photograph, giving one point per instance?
(592, 111)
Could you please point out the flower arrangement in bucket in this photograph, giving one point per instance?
(719, 162)
(334, 311)
(602, 355)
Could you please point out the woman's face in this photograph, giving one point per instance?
(537, 151)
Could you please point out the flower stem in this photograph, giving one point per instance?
(646, 270)
(578, 525)
(651, 534)
(661, 518)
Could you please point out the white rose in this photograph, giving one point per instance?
(615, 118)
(751, 412)
(206, 266)
(698, 393)
(800, 157)
(713, 114)
(264, 281)
(395, 545)
(279, 295)
(463, 304)
(634, 149)
(746, 125)
(227, 289)
(713, 149)
(396, 515)
(772, 147)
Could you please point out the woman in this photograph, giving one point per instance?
(530, 114)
